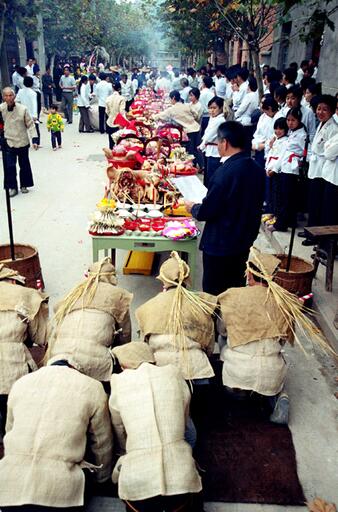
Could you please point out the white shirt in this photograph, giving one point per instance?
(300, 76)
(221, 86)
(15, 78)
(185, 94)
(127, 90)
(198, 108)
(247, 107)
(30, 71)
(289, 162)
(324, 134)
(26, 96)
(209, 140)
(275, 154)
(83, 99)
(238, 96)
(330, 169)
(36, 84)
(229, 91)
(205, 97)
(264, 131)
(309, 121)
(103, 90)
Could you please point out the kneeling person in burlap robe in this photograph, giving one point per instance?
(23, 321)
(178, 324)
(258, 320)
(149, 407)
(90, 319)
(57, 417)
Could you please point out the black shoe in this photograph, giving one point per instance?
(308, 243)
(70, 122)
(90, 131)
(302, 234)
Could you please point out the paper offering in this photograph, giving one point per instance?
(191, 188)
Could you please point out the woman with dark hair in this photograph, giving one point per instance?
(194, 96)
(288, 167)
(185, 116)
(209, 144)
(322, 188)
(83, 102)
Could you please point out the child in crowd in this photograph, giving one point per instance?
(274, 154)
(55, 125)
(209, 141)
(288, 167)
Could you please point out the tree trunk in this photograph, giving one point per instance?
(51, 62)
(258, 72)
(4, 70)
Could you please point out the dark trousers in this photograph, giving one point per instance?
(248, 131)
(213, 164)
(274, 194)
(180, 503)
(191, 145)
(3, 413)
(102, 119)
(316, 201)
(38, 97)
(56, 138)
(84, 122)
(37, 126)
(58, 93)
(128, 104)
(223, 272)
(287, 213)
(67, 105)
(10, 157)
(330, 211)
(48, 99)
(204, 124)
(110, 132)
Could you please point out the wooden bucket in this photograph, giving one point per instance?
(26, 262)
(299, 278)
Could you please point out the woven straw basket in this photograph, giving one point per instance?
(299, 278)
(26, 262)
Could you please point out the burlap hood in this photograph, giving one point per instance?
(133, 354)
(174, 270)
(266, 263)
(25, 301)
(251, 314)
(109, 298)
(8, 273)
(153, 317)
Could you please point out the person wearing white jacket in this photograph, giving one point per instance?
(264, 130)
(274, 155)
(321, 210)
(83, 102)
(288, 166)
(103, 89)
(209, 140)
(248, 105)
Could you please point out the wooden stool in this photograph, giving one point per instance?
(326, 250)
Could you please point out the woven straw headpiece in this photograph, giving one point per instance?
(266, 263)
(133, 354)
(105, 271)
(8, 273)
(174, 270)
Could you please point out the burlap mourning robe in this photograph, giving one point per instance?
(88, 331)
(154, 322)
(256, 331)
(149, 408)
(23, 315)
(56, 417)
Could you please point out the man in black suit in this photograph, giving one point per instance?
(231, 210)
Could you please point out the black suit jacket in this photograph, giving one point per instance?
(232, 208)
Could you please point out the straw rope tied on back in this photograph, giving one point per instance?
(102, 271)
(289, 305)
(175, 273)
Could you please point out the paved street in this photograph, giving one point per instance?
(53, 217)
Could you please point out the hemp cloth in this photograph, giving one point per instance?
(132, 355)
(54, 414)
(88, 334)
(149, 409)
(251, 314)
(23, 314)
(153, 317)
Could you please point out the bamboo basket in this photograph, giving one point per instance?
(299, 278)
(26, 262)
